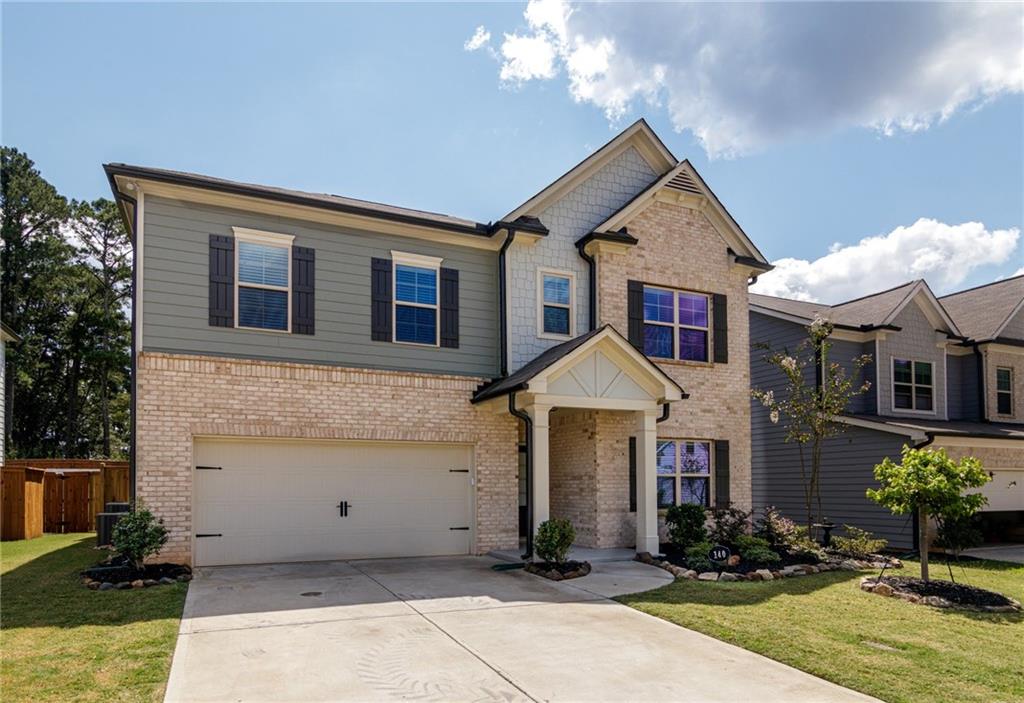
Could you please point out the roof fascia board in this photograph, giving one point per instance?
(938, 313)
(310, 213)
(919, 436)
(638, 135)
(844, 332)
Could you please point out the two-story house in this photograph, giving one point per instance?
(944, 372)
(318, 377)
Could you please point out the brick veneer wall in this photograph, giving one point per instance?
(180, 397)
(990, 457)
(572, 471)
(679, 248)
(993, 360)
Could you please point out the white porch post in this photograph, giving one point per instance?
(540, 493)
(646, 482)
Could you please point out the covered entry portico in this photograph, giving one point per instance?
(621, 392)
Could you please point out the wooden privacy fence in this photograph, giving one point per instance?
(21, 500)
(75, 490)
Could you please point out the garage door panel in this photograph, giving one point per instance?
(278, 501)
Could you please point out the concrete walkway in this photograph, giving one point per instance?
(453, 629)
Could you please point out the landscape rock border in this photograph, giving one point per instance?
(791, 571)
(871, 584)
(576, 570)
(94, 585)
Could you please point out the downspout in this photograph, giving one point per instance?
(982, 399)
(525, 417)
(133, 385)
(665, 410)
(502, 302)
(581, 247)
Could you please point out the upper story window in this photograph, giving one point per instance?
(555, 304)
(676, 324)
(416, 298)
(684, 472)
(1004, 390)
(912, 385)
(263, 289)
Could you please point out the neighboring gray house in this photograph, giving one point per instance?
(945, 372)
(7, 336)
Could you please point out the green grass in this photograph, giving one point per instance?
(62, 642)
(825, 625)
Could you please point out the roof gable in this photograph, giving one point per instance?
(984, 312)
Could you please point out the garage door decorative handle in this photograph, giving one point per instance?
(343, 507)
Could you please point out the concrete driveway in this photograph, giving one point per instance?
(1013, 553)
(453, 629)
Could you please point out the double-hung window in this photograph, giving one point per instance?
(555, 304)
(912, 385)
(676, 324)
(684, 472)
(1004, 390)
(416, 298)
(263, 289)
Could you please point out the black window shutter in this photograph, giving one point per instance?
(721, 473)
(720, 311)
(635, 309)
(380, 300)
(303, 284)
(450, 308)
(222, 281)
(632, 474)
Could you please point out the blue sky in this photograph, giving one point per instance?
(385, 102)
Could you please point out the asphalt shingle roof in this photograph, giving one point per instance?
(980, 312)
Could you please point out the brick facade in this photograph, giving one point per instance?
(995, 359)
(679, 248)
(180, 397)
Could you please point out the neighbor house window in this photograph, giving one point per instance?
(555, 303)
(416, 308)
(912, 386)
(676, 324)
(684, 472)
(1004, 391)
(263, 290)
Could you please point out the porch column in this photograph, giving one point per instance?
(540, 493)
(646, 482)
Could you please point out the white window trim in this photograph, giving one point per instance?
(679, 474)
(401, 258)
(913, 387)
(272, 239)
(541, 272)
(676, 325)
(1007, 393)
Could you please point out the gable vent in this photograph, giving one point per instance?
(682, 181)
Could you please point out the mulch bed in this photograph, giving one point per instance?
(117, 572)
(940, 594)
(791, 565)
(558, 572)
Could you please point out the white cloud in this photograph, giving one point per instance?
(481, 37)
(742, 76)
(943, 254)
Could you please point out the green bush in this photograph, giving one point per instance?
(697, 556)
(554, 539)
(958, 533)
(686, 525)
(138, 535)
(804, 548)
(858, 543)
(780, 532)
(756, 550)
(728, 524)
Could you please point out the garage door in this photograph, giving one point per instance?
(270, 501)
(1005, 492)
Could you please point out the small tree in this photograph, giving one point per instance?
(807, 407)
(138, 535)
(929, 482)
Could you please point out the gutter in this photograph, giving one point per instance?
(525, 417)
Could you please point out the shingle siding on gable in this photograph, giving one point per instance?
(569, 219)
(916, 340)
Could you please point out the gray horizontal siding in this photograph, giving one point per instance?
(848, 460)
(175, 294)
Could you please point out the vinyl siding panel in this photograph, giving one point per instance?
(175, 294)
(848, 460)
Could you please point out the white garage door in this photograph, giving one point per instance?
(1005, 491)
(268, 501)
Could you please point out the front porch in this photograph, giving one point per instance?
(590, 408)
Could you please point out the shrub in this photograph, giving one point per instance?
(728, 524)
(756, 550)
(554, 539)
(780, 532)
(804, 548)
(697, 556)
(958, 533)
(858, 542)
(138, 535)
(686, 525)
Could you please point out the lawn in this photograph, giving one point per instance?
(60, 641)
(825, 625)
